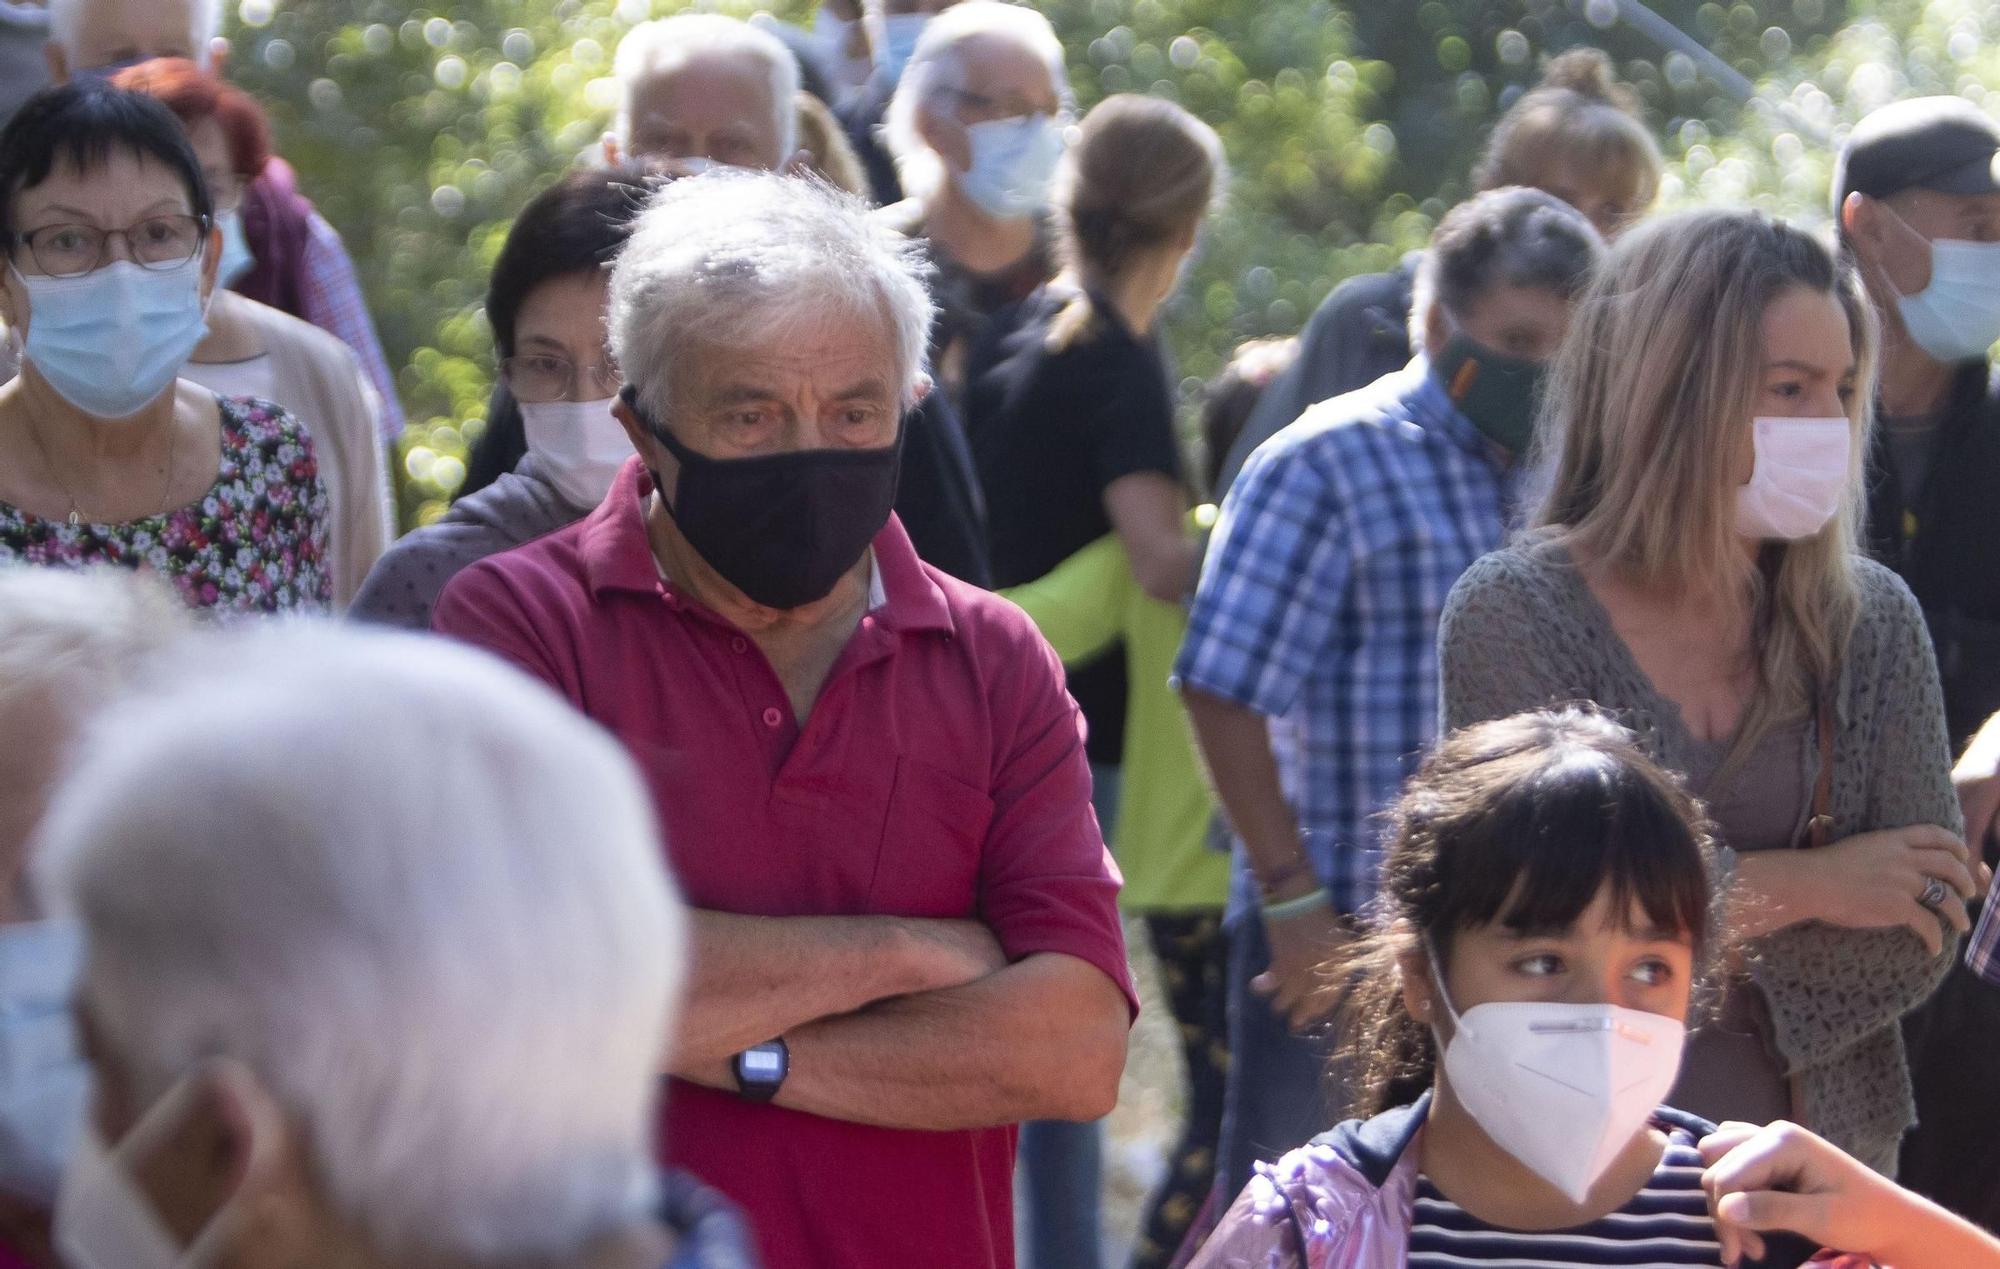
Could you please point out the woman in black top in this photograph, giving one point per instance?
(1069, 409)
(1072, 426)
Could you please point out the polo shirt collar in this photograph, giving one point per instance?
(618, 556)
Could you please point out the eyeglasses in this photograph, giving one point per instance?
(980, 108)
(537, 378)
(158, 243)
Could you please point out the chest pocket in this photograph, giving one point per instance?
(933, 839)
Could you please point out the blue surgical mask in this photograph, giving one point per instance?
(1013, 165)
(112, 340)
(237, 258)
(44, 1080)
(900, 32)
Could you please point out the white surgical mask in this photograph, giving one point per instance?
(103, 1219)
(44, 1082)
(578, 447)
(1799, 480)
(900, 32)
(1957, 316)
(1562, 1088)
(112, 340)
(1013, 165)
(237, 258)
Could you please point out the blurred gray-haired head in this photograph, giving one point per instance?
(732, 257)
(660, 48)
(938, 67)
(416, 895)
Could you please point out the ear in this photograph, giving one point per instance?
(215, 1133)
(1437, 329)
(218, 55)
(612, 156)
(922, 390)
(1860, 220)
(13, 303)
(58, 61)
(211, 265)
(946, 137)
(1418, 997)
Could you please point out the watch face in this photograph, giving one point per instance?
(762, 1064)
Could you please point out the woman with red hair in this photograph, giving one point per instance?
(254, 350)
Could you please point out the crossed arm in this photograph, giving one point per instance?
(902, 1022)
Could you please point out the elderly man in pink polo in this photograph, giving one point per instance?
(871, 779)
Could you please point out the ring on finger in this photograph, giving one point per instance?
(1934, 893)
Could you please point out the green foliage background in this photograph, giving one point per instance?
(1350, 127)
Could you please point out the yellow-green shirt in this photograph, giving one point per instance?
(1090, 601)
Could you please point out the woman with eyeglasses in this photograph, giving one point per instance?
(546, 304)
(106, 456)
(254, 350)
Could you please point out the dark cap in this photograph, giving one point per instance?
(1945, 144)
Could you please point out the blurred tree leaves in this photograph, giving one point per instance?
(421, 131)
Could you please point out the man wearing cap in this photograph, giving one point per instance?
(1917, 192)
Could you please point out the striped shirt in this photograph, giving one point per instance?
(1666, 1224)
(1983, 956)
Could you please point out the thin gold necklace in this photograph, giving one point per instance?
(75, 514)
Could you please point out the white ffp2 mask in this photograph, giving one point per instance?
(578, 447)
(1562, 1088)
(1799, 480)
(1957, 316)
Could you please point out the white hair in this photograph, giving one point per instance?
(938, 64)
(414, 892)
(660, 48)
(204, 16)
(74, 638)
(729, 256)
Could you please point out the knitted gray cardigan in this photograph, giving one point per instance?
(1522, 630)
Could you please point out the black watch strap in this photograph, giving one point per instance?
(761, 1069)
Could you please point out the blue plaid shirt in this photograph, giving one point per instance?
(1984, 954)
(1319, 601)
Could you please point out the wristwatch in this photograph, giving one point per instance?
(761, 1070)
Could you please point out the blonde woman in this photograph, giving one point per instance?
(1693, 567)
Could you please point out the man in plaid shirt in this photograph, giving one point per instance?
(1978, 779)
(1310, 666)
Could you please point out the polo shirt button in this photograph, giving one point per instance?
(739, 644)
(772, 717)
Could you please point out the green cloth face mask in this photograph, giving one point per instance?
(1497, 392)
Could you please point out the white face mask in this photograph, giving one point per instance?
(1562, 1088)
(900, 33)
(103, 1219)
(1799, 480)
(1957, 316)
(1013, 165)
(578, 447)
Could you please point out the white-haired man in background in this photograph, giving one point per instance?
(872, 781)
(977, 128)
(300, 265)
(380, 962)
(701, 88)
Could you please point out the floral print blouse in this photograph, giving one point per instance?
(254, 543)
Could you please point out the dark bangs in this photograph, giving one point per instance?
(1526, 821)
(1555, 841)
(85, 122)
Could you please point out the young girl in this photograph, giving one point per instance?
(1547, 912)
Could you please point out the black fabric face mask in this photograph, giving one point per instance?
(781, 528)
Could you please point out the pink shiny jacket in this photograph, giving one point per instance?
(1344, 1202)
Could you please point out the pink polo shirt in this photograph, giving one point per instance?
(940, 774)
